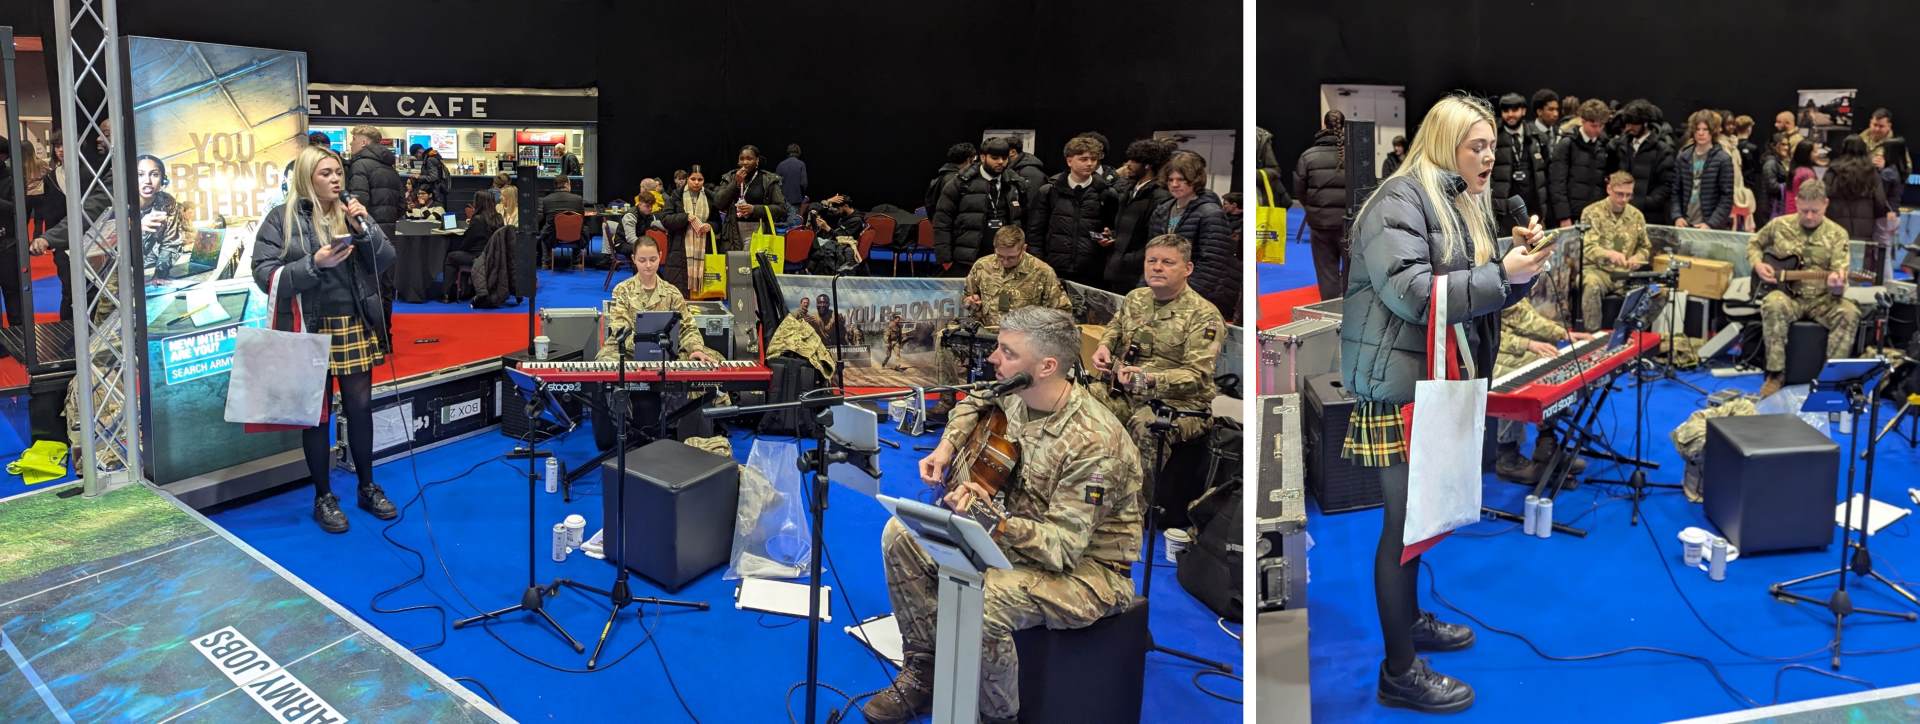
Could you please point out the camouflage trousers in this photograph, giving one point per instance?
(1595, 285)
(893, 348)
(1015, 598)
(1779, 310)
(106, 406)
(1138, 418)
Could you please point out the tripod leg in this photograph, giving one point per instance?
(577, 648)
(605, 631)
(1195, 658)
(1897, 588)
(470, 620)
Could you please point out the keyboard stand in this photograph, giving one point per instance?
(638, 437)
(1578, 432)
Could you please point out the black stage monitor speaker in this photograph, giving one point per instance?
(1336, 484)
(680, 503)
(1769, 482)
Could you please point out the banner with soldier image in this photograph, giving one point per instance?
(890, 330)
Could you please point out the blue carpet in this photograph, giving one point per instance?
(729, 665)
(1578, 597)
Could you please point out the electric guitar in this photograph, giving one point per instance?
(1786, 270)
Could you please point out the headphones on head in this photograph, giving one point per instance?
(162, 165)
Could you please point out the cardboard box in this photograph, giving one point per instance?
(1089, 341)
(1706, 278)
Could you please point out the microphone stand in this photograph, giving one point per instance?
(533, 598)
(1637, 321)
(621, 596)
(1162, 426)
(825, 453)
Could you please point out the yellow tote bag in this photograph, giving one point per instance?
(1270, 228)
(769, 242)
(713, 274)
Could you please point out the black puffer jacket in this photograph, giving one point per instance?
(1716, 187)
(764, 193)
(434, 177)
(372, 180)
(1216, 258)
(1383, 339)
(1320, 182)
(302, 276)
(939, 181)
(1520, 168)
(1576, 176)
(960, 232)
(1132, 229)
(1652, 169)
(1031, 173)
(1064, 222)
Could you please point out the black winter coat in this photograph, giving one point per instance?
(1132, 229)
(1520, 168)
(1216, 258)
(1031, 173)
(939, 181)
(433, 175)
(1576, 176)
(1652, 169)
(372, 255)
(764, 192)
(1383, 338)
(1320, 182)
(960, 232)
(1716, 187)
(372, 180)
(1063, 224)
(673, 259)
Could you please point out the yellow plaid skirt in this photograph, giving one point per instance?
(1376, 435)
(355, 349)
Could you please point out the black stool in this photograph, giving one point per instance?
(1806, 351)
(1769, 481)
(1092, 674)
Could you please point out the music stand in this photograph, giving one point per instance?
(655, 337)
(1635, 316)
(1846, 386)
(964, 552)
(533, 598)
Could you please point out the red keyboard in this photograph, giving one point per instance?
(1543, 388)
(730, 374)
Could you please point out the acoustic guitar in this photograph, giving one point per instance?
(988, 458)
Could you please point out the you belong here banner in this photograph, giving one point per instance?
(224, 120)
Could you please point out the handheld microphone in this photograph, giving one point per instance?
(1016, 382)
(1518, 208)
(346, 198)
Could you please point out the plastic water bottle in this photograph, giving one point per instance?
(553, 475)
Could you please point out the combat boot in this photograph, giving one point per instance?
(1511, 466)
(910, 695)
(1772, 385)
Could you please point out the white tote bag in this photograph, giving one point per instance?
(278, 378)
(1449, 424)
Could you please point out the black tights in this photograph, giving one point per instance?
(1396, 587)
(356, 395)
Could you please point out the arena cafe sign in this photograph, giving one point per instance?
(396, 105)
(450, 104)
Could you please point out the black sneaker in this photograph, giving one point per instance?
(1423, 690)
(326, 512)
(374, 500)
(1432, 634)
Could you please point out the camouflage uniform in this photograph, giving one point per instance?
(1824, 247)
(1690, 439)
(630, 299)
(1001, 290)
(797, 335)
(1520, 325)
(1179, 341)
(1072, 532)
(1029, 283)
(1624, 232)
(895, 336)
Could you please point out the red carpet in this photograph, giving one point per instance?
(463, 338)
(1277, 308)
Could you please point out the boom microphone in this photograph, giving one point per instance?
(1018, 381)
